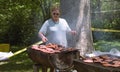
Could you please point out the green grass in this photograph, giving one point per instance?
(18, 63)
(106, 45)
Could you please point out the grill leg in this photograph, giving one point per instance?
(52, 69)
(44, 69)
(35, 68)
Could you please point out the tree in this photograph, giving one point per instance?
(77, 14)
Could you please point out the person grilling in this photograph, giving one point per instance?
(55, 29)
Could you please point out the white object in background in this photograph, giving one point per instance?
(96, 53)
(115, 52)
(5, 55)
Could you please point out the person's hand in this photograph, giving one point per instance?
(73, 32)
(44, 39)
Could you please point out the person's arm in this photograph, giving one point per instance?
(42, 31)
(44, 39)
(73, 32)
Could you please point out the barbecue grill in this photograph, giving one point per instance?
(98, 66)
(61, 61)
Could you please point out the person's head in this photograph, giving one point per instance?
(55, 12)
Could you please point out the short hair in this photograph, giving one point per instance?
(54, 7)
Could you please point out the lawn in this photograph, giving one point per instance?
(107, 46)
(18, 63)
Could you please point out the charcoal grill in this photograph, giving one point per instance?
(61, 61)
(82, 66)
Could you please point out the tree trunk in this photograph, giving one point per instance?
(77, 14)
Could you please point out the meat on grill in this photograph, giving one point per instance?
(105, 60)
(51, 48)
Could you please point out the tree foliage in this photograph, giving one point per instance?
(106, 15)
(21, 19)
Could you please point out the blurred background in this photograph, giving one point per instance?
(20, 21)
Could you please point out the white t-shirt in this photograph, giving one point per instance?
(56, 32)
